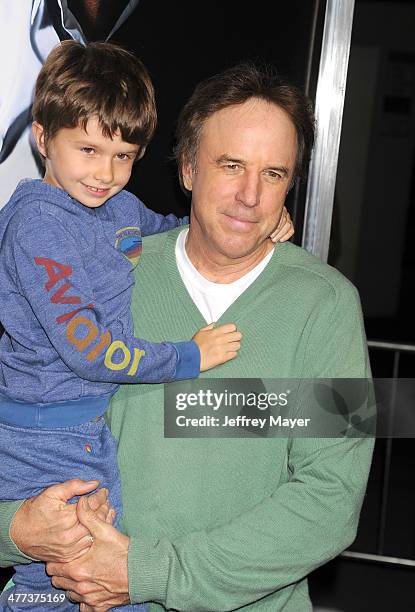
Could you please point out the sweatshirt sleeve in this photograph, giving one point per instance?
(51, 275)
(151, 222)
(305, 522)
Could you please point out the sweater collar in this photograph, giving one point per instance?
(240, 308)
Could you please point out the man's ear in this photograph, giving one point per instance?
(39, 136)
(187, 174)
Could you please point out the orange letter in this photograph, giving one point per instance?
(90, 337)
(104, 341)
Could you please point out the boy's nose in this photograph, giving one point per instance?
(104, 172)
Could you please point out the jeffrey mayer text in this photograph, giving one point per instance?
(241, 421)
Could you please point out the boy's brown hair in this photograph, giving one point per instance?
(100, 79)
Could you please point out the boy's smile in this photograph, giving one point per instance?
(89, 166)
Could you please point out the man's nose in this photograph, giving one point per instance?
(104, 171)
(249, 189)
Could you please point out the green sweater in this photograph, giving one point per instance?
(217, 524)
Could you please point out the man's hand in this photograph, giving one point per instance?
(217, 344)
(47, 528)
(99, 578)
(284, 229)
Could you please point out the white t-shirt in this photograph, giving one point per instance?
(212, 299)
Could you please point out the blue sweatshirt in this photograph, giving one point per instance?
(66, 277)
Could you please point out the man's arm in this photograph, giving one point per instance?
(307, 521)
(304, 523)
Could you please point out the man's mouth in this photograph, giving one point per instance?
(240, 222)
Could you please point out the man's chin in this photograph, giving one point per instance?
(241, 248)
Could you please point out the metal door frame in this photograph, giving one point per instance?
(331, 87)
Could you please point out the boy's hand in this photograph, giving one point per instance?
(217, 344)
(284, 229)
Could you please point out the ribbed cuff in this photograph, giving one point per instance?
(188, 360)
(9, 553)
(148, 571)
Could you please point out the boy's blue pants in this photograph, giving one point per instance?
(32, 459)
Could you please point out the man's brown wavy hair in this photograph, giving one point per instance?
(237, 85)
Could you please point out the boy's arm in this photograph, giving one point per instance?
(151, 222)
(93, 342)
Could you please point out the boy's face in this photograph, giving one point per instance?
(89, 166)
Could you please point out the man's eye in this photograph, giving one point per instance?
(88, 150)
(232, 167)
(273, 175)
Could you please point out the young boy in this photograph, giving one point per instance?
(69, 245)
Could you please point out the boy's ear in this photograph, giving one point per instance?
(140, 154)
(187, 173)
(39, 136)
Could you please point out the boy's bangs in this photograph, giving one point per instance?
(100, 80)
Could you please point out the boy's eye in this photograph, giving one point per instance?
(123, 156)
(88, 150)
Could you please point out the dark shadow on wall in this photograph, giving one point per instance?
(183, 46)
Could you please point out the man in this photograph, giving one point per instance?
(213, 523)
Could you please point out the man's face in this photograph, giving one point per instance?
(244, 169)
(89, 166)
